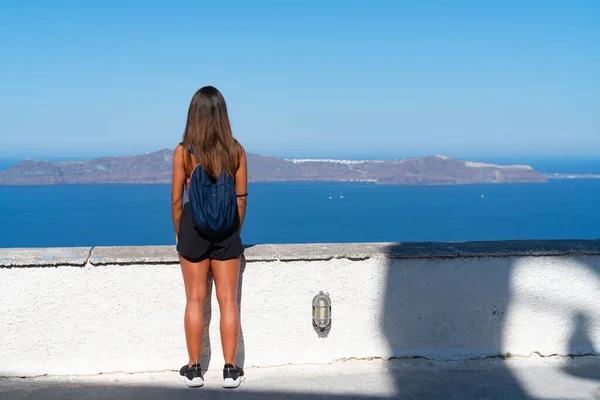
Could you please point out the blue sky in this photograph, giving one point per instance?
(307, 78)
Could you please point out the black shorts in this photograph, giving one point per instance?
(195, 248)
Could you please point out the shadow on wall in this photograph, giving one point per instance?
(572, 317)
(566, 319)
(457, 303)
(467, 311)
(582, 344)
(206, 354)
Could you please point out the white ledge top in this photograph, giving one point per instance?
(81, 256)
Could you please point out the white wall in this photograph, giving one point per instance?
(121, 309)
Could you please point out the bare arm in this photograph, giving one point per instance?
(177, 186)
(241, 186)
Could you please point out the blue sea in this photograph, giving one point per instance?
(95, 215)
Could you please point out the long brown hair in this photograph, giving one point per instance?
(208, 131)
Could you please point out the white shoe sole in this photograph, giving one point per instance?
(229, 383)
(196, 382)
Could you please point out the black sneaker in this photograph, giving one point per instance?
(232, 376)
(192, 376)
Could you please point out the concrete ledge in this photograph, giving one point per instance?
(425, 250)
(522, 248)
(122, 255)
(121, 308)
(50, 257)
(125, 255)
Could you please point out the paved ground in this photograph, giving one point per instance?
(519, 378)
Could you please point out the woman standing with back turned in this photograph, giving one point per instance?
(211, 165)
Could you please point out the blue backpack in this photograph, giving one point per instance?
(213, 202)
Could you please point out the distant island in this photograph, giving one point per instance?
(156, 168)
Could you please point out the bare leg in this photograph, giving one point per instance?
(195, 276)
(226, 276)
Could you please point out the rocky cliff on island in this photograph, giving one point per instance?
(156, 168)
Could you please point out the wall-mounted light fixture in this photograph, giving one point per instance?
(321, 313)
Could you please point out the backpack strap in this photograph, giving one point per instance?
(195, 155)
